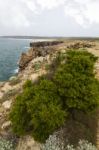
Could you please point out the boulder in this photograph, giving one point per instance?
(7, 104)
(6, 125)
(13, 78)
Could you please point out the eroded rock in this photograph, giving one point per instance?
(7, 104)
(45, 43)
(38, 49)
(6, 125)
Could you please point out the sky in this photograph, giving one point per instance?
(49, 17)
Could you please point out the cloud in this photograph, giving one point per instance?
(12, 13)
(50, 4)
(85, 12)
(20, 13)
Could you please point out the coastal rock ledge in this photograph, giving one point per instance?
(37, 49)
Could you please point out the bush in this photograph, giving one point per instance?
(19, 114)
(76, 82)
(28, 84)
(38, 110)
(42, 108)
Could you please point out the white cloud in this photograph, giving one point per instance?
(20, 13)
(50, 4)
(12, 14)
(85, 12)
(30, 4)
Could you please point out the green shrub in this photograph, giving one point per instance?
(76, 82)
(37, 66)
(42, 108)
(38, 110)
(45, 109)
(27, 84)
(19, 114)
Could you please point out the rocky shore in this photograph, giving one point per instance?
(32, 65)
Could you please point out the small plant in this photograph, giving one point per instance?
(6, 145)
(37, 66)
(85, 145)
(14, 81)
(47, 66)
(54, 143)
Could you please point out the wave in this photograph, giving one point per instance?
(16, 71)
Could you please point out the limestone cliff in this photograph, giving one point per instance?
(32, 65)
(37, 49)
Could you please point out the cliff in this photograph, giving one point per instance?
(37, 49)
(32, 65)
(41, 49)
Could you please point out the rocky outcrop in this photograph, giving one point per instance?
(37, 49)
(45, 43)
(41, 49)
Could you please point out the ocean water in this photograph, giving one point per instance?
(10, 52)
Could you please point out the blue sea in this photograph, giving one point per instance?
(10, 52)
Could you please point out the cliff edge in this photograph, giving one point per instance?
(32, 65)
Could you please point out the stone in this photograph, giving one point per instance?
(13, 78)
(2, 84)
(6, 125)
(7, 104)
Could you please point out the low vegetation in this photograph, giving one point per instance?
(43, 107)
(14, 81)
(9, 94)
(6, 145)
(54, 143)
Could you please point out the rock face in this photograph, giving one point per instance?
(41, 49)
(45, 43)
(37, 49)
(7, 104)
